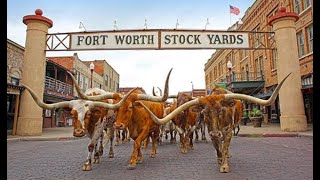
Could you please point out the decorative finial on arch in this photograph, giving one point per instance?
(38, 12)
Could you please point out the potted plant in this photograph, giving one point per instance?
(245, 117)
(255, 116)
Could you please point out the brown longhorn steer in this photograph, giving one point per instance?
(133, 116)
(87, 119)
(219, 121)
(236, 110)
(185, 123)
(168, 127)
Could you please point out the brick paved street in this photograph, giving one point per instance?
(252, 158)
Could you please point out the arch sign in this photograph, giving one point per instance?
(145, 39)
(153, 39)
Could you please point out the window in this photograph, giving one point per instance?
(215, 72)
(257, 66)
(210, 76)
(257, 37)
(274, 59)
(232, 58)
(296, 6)
(106, 81)
(14, 81)
(47, 113)
(306, 4)
(300, 44)
(261, 64)
(81, 80)
(310, 38)
(244, 54)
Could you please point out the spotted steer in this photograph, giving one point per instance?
(85, 117)
(219, 121)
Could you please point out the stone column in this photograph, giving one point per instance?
(34, 64)
(290, 97)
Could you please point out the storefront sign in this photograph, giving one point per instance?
(158, 39)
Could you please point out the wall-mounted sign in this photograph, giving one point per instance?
(159, 39)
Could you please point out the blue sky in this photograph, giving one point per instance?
(146, 68)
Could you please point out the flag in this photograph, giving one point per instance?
(234, 10)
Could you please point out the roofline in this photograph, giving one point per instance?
(16, 44)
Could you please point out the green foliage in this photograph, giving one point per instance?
(255, 113)
(245, 114)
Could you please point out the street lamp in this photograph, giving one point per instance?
(191, 88)
(91, 69)
(229, 66)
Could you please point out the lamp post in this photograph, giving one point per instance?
(191, 88)
(229, 66)
(91, 69)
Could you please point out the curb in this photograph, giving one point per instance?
(274, 135)
(44, 139)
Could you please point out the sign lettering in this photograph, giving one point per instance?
(159, 39)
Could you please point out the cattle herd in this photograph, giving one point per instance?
(100, 115)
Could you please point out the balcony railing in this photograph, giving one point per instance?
(244, 76)
(58, 86)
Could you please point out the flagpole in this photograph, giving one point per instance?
(230, 18)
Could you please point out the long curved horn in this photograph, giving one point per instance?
(173, 113)
(153, 92)
(157, 98)
(44, 105)
(83, 96)
(113, 106)
(160, 91)
(170, 96)
(257, 100)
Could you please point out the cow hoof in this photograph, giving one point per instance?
(139, 161)
(224, 169)
(184, 151)
(86, 167)
(196, 140)
(100, 152)
(205, 140)
(116, 144)
(111, 155)
(96, 160)
(152, 155)
(131, 166)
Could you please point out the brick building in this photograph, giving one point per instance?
(15, 53)
(110, 76)
(254, 71)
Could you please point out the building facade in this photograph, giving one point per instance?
(58, 86)
(81, 72)
(15, 53)
(110, 76)
(254, 71)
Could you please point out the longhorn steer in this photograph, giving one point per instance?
(87, 119)
(133, 116)
(168, 127)
(185, 123)
(236, 110)
(218, 120)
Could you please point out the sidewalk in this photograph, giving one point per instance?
(267, 130)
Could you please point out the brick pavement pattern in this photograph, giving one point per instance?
(252, 158)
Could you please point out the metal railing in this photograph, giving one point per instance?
(58, 86)
(244, 76)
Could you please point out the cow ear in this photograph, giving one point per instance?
(229, 102)
(137, 104)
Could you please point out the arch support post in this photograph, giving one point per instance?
(292, 117)
(30, 118)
